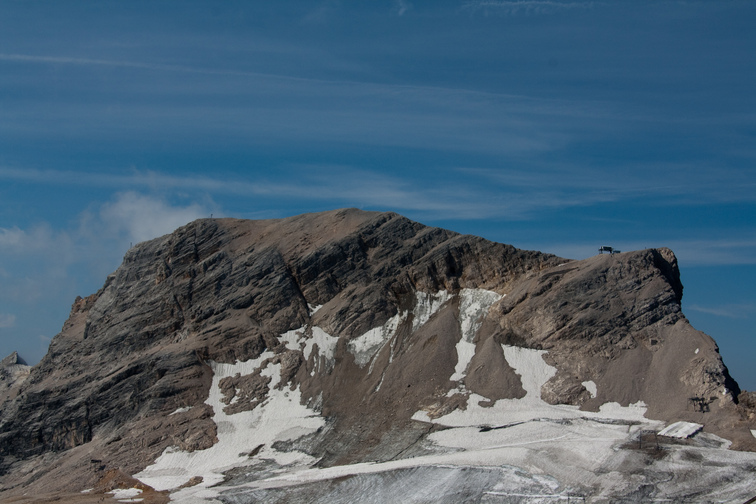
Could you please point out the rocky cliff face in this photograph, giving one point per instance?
(383, 329)
(13, 373)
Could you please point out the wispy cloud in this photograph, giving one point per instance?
(732, 311)
(143, 217)
(40, 261)
(456, 198)
(7, 320)
(81, 61)
(527, 7)
(464, 193)
(236, 106)
(723, 251)
(39, 239)
(401, 7)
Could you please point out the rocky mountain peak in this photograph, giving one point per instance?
(334, 339)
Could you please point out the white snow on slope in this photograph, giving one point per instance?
(280, 417)
(127, 494)
(590, 386)
(297, 340)
(531, 367)
(473, 307)
(181, 410)
(534, 372)
(426, 306)
(681, 430)
(573, 446)
(366, 346)
(580, 454)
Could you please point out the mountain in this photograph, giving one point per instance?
(354, 356)
(13, 372)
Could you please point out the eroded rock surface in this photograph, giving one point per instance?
(368, 318)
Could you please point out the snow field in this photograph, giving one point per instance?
(296, 340)
(559, 440)
(426, 306)
(280, 417)
(534, 372)
(558, 443)
(681, 430)
(127, 494)
(367, 346)
(473, 308)
(531, 367)
(590, 386)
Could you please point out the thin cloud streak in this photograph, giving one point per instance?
(433, 94)
(7, 320)
(342, 186)
(527, 7)
(733, 311)
(308, 111)
(515, 195)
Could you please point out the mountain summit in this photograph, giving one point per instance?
(353, 356)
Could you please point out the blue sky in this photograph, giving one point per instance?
(551, 125)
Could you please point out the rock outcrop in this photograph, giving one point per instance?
(370, 318)
(13, 372)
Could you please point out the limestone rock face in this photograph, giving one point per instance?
(13, 372)
(369, 320)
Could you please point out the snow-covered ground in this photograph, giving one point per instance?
(367, 346)
(473, 308)
(280, 417)
(681, 430)
(127, 494)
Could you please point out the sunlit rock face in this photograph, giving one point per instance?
(312, 358)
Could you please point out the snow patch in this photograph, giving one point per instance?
(127, 494)
(534, 372)
(473, 308)
(181, 410)
(696, 351)
(590, 386)
(326, 344)
(297, 339)
(280, 417)
(753, 433)
(365, 347)
(426, 305)
(681, 430)
(531, 367)
(313, 309)
(465, 354)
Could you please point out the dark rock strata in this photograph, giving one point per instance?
(120, 378)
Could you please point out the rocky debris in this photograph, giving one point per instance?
(246, 392)
(128, 375)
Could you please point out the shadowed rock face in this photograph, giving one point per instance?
(128, 375)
